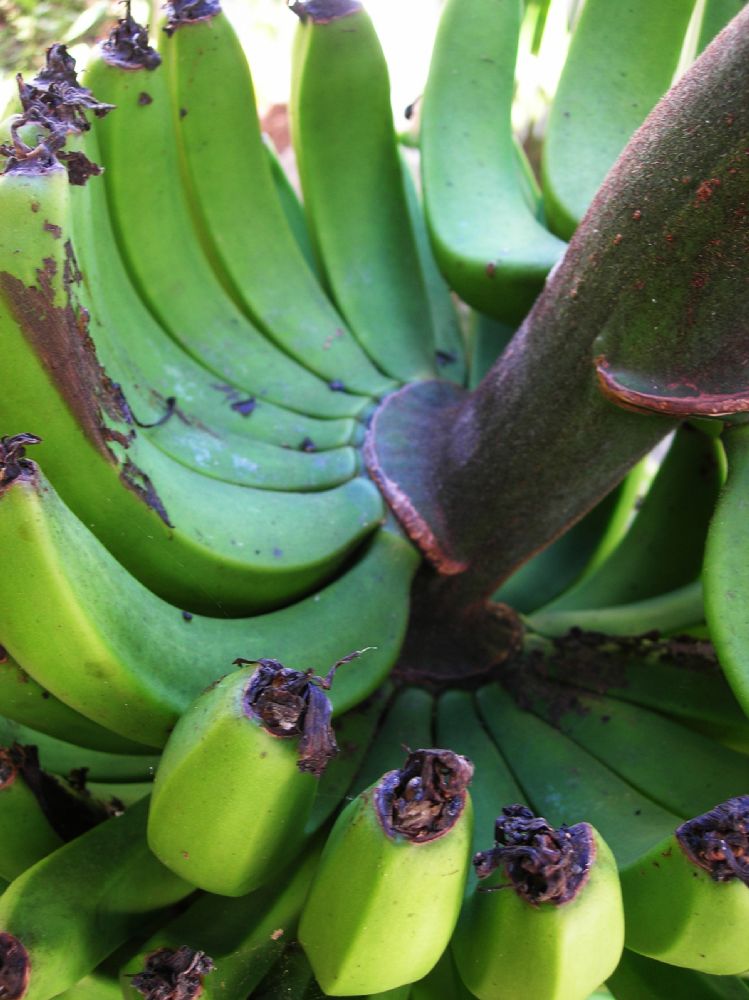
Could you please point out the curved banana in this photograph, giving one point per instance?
(233, 195)
(236, 782)
(24, 700)
(664, 547)
(220, 947)
(62, 757)
(344, 139)
(181, 288)
(672, 612)
(67, 912)
(621, 61)
(450, 348)
(687, 899)
(559, 930)
(487, 241)
(136, 673)
(156, 515)
(684, 771)
(120, 326)
(26, 833)
(726, 573)
(405, 838)
(679, 677)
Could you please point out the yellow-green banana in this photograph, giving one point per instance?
(556, 930)
(405, 838)
(236, 782)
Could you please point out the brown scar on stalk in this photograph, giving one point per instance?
(718, 840)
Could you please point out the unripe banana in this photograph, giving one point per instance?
(238, 776)
(387, 894)
(560, 931)
(687, 899)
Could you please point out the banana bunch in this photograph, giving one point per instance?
(213, 782)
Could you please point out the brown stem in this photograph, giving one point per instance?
(651, 298)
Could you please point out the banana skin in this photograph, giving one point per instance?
(401, 850)
(238, 776)
(556, 930)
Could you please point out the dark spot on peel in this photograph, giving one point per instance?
(50, 227)
(144, 99)
(336, 385)
(244, 406)
(186, 616)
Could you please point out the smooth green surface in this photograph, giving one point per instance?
(229, 803)
(240, 218)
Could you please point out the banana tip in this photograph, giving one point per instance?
(173, 974)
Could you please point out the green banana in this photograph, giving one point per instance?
(67, 912)
(487, 241)
(232, 193)
(559, 931)
(576, 787)
(664, 546)
(726, 574)
(671, 612)
(26, 835)
(238, 776)
(458, 725)
(61, 756)
(640, 978)
(406, 724)
(450, 349)
(342, 129)
(405, 838)
(257, 555)
(679, 677)
(684, 771)
(182, 290)
(555, 569)
(675, 910)
(136, 673)
(164, 369)
(234, 941)
(291, 207)
(117, 316)
(687, 899)
(621, 60)
(25, 701)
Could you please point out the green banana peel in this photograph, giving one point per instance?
(365, 940)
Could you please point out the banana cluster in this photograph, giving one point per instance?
(193, 801)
